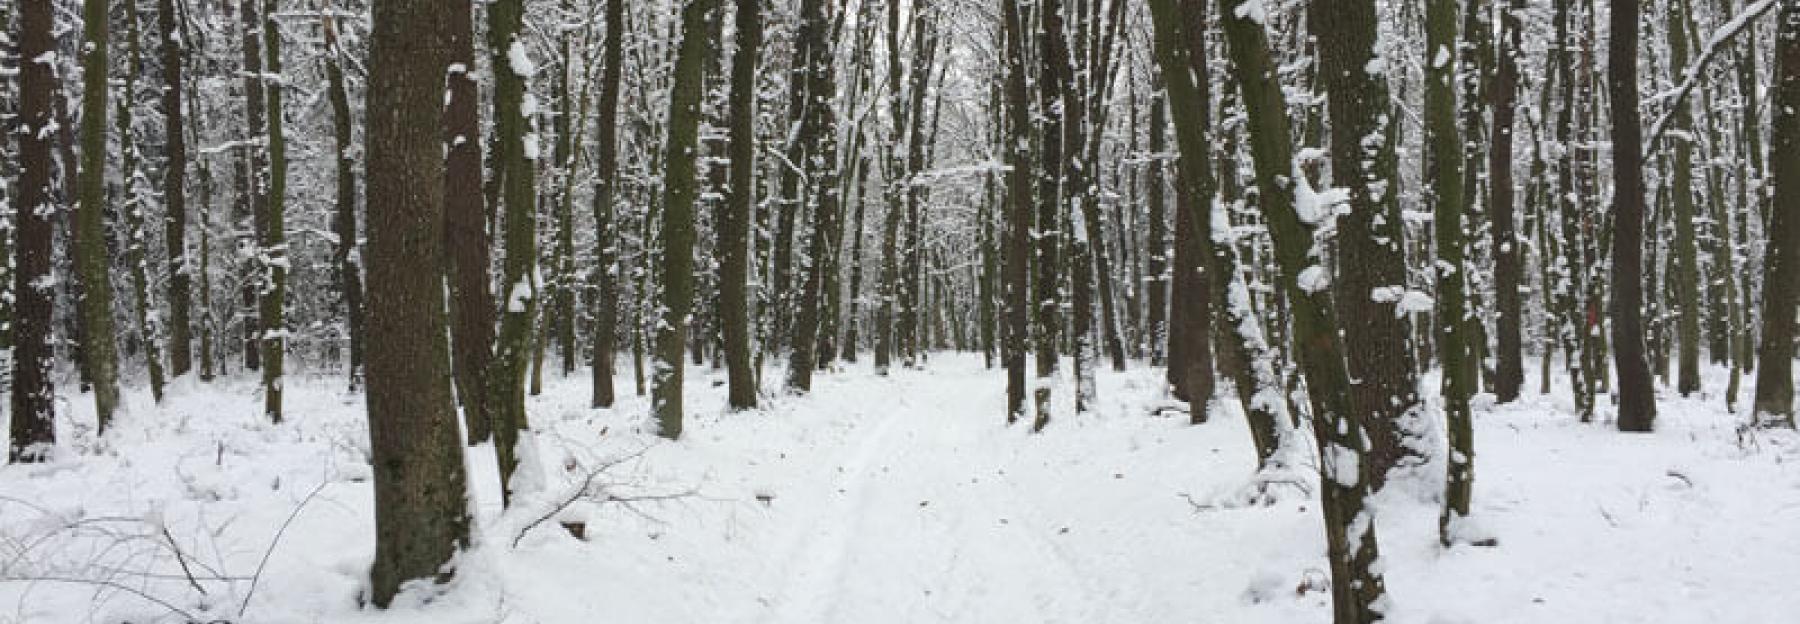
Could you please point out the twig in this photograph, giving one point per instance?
(183, 561)
(272, 543)
(108, 585)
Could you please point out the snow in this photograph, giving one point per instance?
(897, 499)
(520, 60)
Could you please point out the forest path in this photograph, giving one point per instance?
(922, 521)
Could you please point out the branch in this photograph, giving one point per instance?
(1733, 28)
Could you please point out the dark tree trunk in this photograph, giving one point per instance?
(1637, 398)
(466, 235)
(1781, 282)
(606, 165)
(817, 145)
(680, 191)
(422, 517)
(1508, 269)
(735, 212)
(174, 190)
(1015, 281)
(1371, 241)
(33, 413)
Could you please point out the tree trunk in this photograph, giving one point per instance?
(273, 250)
(1508, 268)
(135, 199)
(97, 335)
(1781, 281)
(606, 165)
(1358, 591)
(1371, 239)
(516, 167)
(467, 240)
(735, 212)
(1444, 191)
(1637, 398)
(422, 517)
(680, 191)
(33, 399)
(817, 144)
(174, 191)
(1015, 280)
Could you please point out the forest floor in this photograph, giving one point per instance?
(897, 499)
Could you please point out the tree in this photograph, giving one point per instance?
(679, 194)
(137, 199)
(606, 268)
(273, 252)
(346, 265)
(816, 143)
(1686, 276)
(421, 507)
(97, 336)
(466, 236)
(1370, 237)
(1053, 55)
(1781, 277)
(1016, 278)
(32, 397)
(174, 191)
(515, 166)
(1637, 398)
(1508, 268)
(735, 212)
(1358, 590)
(1444, 182)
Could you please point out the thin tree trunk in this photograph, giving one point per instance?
(1508, 268)
(174, 191)
(606, 238)
(516, 164)
(467, 240)
(735, 212)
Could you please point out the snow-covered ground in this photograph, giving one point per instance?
(900, 499)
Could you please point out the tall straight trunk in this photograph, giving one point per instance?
(1508, 265)
(1571, 277)
(97, 335)
(1637, 398)
(1444, 189)
(606, 165)
(988, 280)
(735, 212)
(561, 322)
(174, 190)
(1371, 237)
(1156, 271)
(422, 511)
(1015, 280)
(1358, 591)
(345, 261)
(1686, 276)
(33, 399)
(135, 198)
(516, 166)
(467, 239)
(273, 250)
(894, 180)
(817, 139)
(679, 193)
(1781, 281)
(1053, 58)
(1081, 323)
(253, 194)
(853, 319)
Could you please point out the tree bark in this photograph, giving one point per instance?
(680, 191)
(1637, 398)
(1781, 281)
(97, 333)
(421, 506)
(33, 400)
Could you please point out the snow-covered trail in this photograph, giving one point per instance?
(923, 523)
